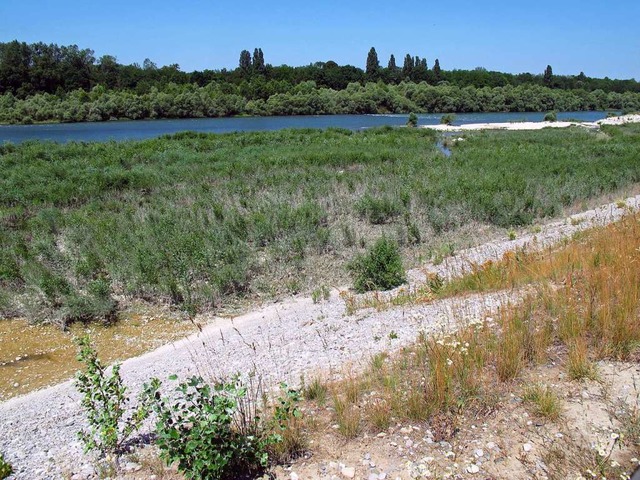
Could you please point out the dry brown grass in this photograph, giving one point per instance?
(586, 304)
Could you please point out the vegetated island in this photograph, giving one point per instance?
(50, 83)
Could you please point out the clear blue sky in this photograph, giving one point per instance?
(601, 38)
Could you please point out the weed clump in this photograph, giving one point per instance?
(5, 468)
(379, 269)
(545, 401)
(377, 210)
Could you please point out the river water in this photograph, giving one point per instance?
(143, 129)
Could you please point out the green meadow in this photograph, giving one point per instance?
(200, 220)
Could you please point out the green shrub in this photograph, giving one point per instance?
(413, 120)
(447, 119)
(105, 402)
(551, 117)
(212, 432)
(379, 269)
(5, 468)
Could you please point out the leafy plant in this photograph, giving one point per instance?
(380, 269)
(551, 117)
(5, 468)
(208, 431)
(105, 403)
(287, 425)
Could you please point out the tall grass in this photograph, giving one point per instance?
(195, 219)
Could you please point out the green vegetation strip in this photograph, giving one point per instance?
(195, 218)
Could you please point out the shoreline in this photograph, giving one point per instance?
(515, 126)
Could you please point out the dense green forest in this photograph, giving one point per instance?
(201, 219)
(40, 82)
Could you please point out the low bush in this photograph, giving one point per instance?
(447, 119)
(551, 117)
(217, 431)
(412, 121)
(379, 269)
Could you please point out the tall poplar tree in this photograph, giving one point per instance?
(258, 60)
(548, 76)
(407, 68)
(245, 61)
(392, 63)
(373, 65)
(437, 71)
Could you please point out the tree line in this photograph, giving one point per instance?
(306, 98)
(47, 82)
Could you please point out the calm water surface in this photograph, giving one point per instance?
(141, 129)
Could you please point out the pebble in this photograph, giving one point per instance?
(479, 453)
(527, 447)
(293, 476)
(132, 467)
(348, 472)
(473, 468)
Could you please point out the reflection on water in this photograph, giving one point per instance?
(35, 356)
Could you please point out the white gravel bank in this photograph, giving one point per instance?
(534, 125)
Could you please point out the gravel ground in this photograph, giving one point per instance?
(282, 342)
